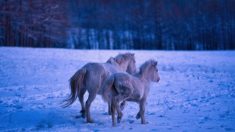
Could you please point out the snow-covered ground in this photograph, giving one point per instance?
(196, 91)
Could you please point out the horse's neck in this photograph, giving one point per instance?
(119, 68)
(144, 77)
(110, 67)
(144, 82)
(123, 66)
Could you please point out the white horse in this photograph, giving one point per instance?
(91, 77)
(121, 87)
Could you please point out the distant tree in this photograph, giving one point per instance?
(34, 23)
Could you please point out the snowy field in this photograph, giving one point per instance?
(196, 91)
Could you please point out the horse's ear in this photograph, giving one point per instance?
(154, 63)
(111, 60)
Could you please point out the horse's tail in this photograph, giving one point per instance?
(108, 89)
(76, 82)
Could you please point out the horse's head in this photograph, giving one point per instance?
(149, 71)
(131, 67)
(126, 62)
(112, 60)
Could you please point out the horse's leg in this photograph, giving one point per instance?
(138, 115)
(90, 99)
(113, 111)
(122, 106)
(142, 110)
(109, 108)
(119, 117)
(81, 99)
(118, 107)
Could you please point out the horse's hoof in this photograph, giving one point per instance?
(122, 106)
(145, 122)
(137, 116)
(106, 113)
(90, 121)
(78, 116)
(118, 120)
(83, 115)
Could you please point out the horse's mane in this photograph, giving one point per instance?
(124, 56)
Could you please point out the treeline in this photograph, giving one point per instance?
(33, 23)
(115, 24)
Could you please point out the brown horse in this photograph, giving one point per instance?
(91, 77)
(121, 87)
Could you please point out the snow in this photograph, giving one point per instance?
(196, 91)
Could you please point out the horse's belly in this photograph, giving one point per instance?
(135, 97)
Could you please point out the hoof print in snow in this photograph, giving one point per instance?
(43, 125)
(201, 122)
(18, 107)
(100, 123)
(229, 129)
(131, 121)
(78, 116)
(204, 119)
(146, 122)
(96, 130)
(161, 116)
(151, 113)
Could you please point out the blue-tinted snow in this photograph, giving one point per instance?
(196, 91)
